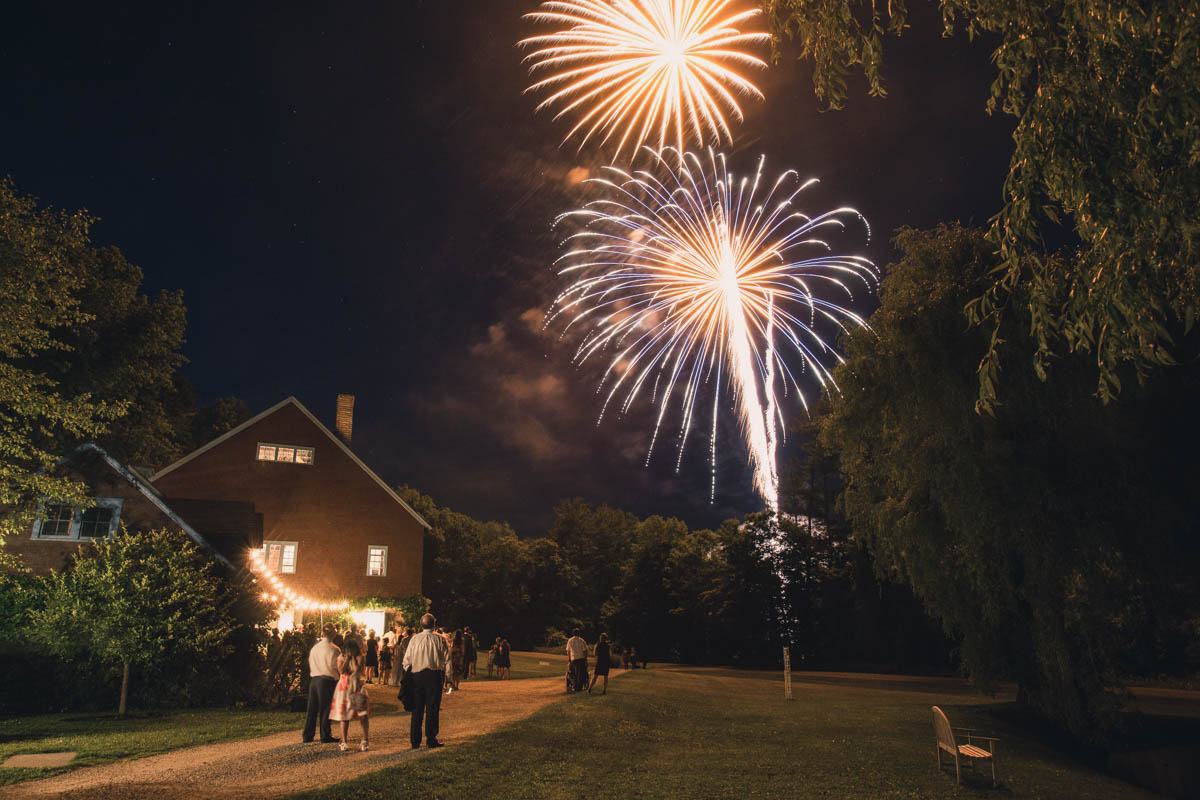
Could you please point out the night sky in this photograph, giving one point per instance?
(358, 198)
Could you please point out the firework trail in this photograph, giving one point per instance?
(644, 70)
(685, 276)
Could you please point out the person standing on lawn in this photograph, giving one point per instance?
(603, 656)
(426, 656)
(458, 654)
(323, 677)
(472, 653)
(504, 659)
(577, 650)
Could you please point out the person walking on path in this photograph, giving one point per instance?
(603, 656)
(350, 698)
(577, 671)
(426, 656)
(323, 676)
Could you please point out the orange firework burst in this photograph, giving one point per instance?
(640, 70)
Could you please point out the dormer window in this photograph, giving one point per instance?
(285, 453)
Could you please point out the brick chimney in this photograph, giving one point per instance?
(344, 421)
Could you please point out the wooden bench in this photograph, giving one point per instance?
(969, 751)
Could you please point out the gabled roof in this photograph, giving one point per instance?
(328, 433)
(151, 494)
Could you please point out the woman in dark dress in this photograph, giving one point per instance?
(385, 662)
(372, 662)
(504, 659)
(602, 658)
(455, 667)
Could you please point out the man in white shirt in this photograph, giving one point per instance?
(323, 677)
(577, 671)
(426, 657)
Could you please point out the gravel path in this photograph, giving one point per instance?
(280, 764)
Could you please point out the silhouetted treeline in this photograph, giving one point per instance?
(733, 595)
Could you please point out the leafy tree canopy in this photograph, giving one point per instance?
(85, 355)
(41, 283)
(1056, 540)
(136, 599)
(1107, 144)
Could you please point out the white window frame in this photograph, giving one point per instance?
(383, 548)
(115, 503)
(294, 448)
(281, 568)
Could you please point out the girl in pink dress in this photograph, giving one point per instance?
(351, 692)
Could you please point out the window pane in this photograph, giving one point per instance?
(289, 558)
(58, 520)
(376, 560)
(287, 454)
(304, 455)
(96, 522)
(273, 555)
(266, 452)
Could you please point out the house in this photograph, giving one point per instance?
(121, 494)
(332, 531)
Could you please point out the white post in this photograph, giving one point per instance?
(787, 674)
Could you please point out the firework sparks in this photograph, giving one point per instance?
(700, 278)
(641, 70)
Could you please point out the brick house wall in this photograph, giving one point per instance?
(333, 509)
(138, 512)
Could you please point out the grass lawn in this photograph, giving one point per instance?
(527, 665)
(723, 733)
(101, 738)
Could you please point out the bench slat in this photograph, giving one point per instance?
(971, 751)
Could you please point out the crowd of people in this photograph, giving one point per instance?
(425, 664)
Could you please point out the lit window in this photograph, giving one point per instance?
(377, 560)
(285, 453)
(58, 521)
(76, 522)
(289, 558)
(280, 556)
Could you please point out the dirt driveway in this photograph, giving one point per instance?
(276, 765)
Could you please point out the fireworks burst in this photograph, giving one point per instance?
(701, 278)
(645, 68)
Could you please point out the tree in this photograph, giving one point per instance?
(125, 353)
(598, 541)
(640, 610)
(134, 600)
(40, 287)
(1107, 144)
(1052, 539)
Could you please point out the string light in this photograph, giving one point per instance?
(282, 596)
